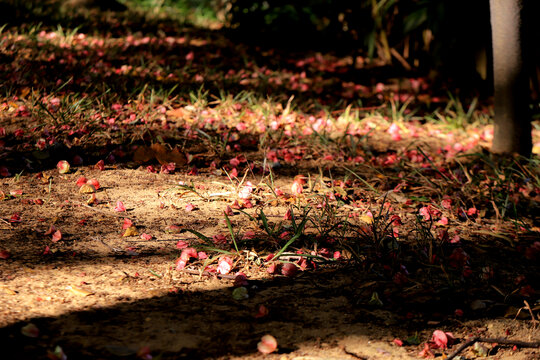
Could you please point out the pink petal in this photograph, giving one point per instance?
(440, 339)
(146, 236)
(267, 345)
(57, 236)
(188, 253)
(127, 224)
(224, 265)
(94, 182)
(181, 244)
(181, 264)
(120, 206)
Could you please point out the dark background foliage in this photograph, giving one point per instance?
(448, 39)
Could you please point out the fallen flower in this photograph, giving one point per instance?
(57, 354)
(144, 353)
(120, 206)
(224, 265)
(94, 183)
(92, 200)
(443, 221)
(442, 339)
(189, 253)
(219, 239)
(240, 279)
(15, 218)
(100, 165)
(145, 236)
(287, 215)
(173, 229)
(63, 167)
(127, 224)
(426, 352)
(30, 330)
(4, 171)
(296, 188)
(57, 236)
(267, 345)
(289, 269)
(272, 268)
(424, 211)
(81, 181)
(262, 311)
(181, 244)
(180, 264)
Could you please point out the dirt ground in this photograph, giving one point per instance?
(99, 295)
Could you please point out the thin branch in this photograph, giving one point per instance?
(207, 273)
(470, 342)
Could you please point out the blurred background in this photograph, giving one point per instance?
(448, 41)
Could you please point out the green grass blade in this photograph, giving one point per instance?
(204, 238)
(229, 225)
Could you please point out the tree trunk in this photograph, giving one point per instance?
(512, 115)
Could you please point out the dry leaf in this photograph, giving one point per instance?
(177, 157)
(131, 231)
(165, 156)
(91, 200)
(178, 113)
(160, 152)
(79, 291)
(143, 154)
(366, 219)
(9, 291)
(87, 189)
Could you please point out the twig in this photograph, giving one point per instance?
(97, 238)
(493, 340)
(534, 321)
(207, 273)
(367, 108)
(400, 58)
(102, 211)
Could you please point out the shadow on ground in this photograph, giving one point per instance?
(207, 324)
(315, 310)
